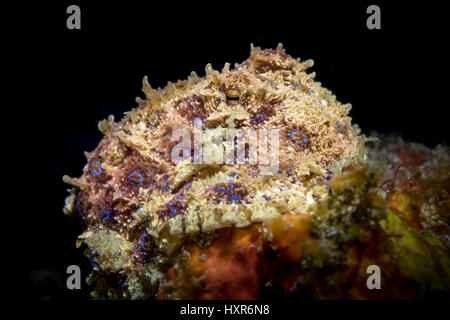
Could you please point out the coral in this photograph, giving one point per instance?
(159, 228)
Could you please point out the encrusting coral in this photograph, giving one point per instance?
(158, 228)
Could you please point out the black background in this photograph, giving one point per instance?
(70, 79)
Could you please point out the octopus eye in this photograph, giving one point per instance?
(232, 95)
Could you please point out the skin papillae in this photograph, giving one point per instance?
(154, 228)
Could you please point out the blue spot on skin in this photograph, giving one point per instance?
(271, 83)
(156, 120)
(78, 204)
(309, 92)
(287, 172)
(268, 198)
(108, 215)
(296, 87)
(174, 211)
(325, 181)
(261, 116)
(223, 190)
(235, 173)
(196, 124)
(143, 240)
(245, 103)
(91, 260)
(96, 173)
(163, 213)
(177, 156)
(138, 173)
(165, 187)
(235, 197)
(292, 137)
(172, 203)
(196, 96)
(217, 101)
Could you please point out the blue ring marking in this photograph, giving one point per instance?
(290, 170)
(268, 198)
(173, 212)
(217, 101)
(172, 203)
(165, 187)
(193, 121)
(260, 114)
(245, 103)
(157, 117)
(184, 149)
(196, 96)
(223, 190)
(96, 173)
(235, 197)
(163, 213)
(136, 183)
(143, 240)
(292, 137)
(234, 173)
(309, 92)
(271, 83)
(266, 66)
(295, 88)
(107, 216)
